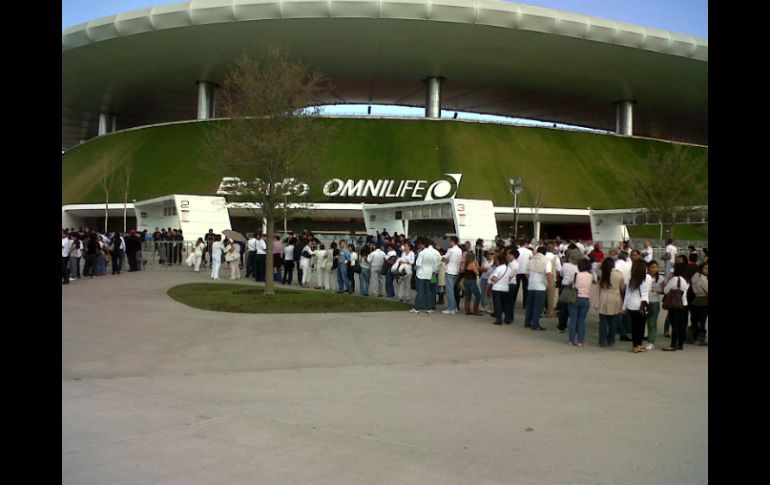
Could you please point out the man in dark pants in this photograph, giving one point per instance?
(510, 255)
(251, 259)
(298, 247)
(522, 278)
(261, 265)
(132, 246)
(66, 249)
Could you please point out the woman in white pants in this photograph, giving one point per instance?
(200, 246)
(304, 263)
(403, 272)
(233, 259)
(320, 267)
(216, 257)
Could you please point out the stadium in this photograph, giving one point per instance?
(139, 88)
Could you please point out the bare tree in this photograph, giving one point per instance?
(106, 179)
(125, 181)
(272, 143)
(536, 197)
(669, 185)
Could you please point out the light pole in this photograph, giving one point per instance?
(515, 188)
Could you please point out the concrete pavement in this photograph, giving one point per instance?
(154, 391)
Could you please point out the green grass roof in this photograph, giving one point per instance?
(572, 169)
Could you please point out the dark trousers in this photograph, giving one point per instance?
(352, 279)
(260, 267)
(117, 261)
(638, 322)
(288, 272)
(299, 272)
(522, 281)
(89, 269)
(131, 260)
(251, 263)
(564, 313)
(65, 270)
(701, 314)
(678, 327)
(433, 289)
(390, 291)
(508, 303)
(500, 302)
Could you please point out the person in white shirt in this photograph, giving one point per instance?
(637, 291)
(403, 269)
(376, 260)
(678, 282)
(656, 290)
(216, 256)
(426, 264)
(261, 263)
(288, 260)
(304, 263)
(624, 266)
(511, 256)
(568, 271)
(552, 295)
(540, 279)
(670, 257)
(251, 257)
(647, 252)
(75, 254)
(200, 247)
(522, 279)
(320, 266)
(66, 249)
(500, 281)
(453, 258)
(233, 259)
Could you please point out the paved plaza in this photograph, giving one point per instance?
(155, 392)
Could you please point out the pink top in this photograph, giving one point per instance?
(583, 284)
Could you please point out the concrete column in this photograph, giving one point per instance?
(106, 123)
(205, 100)
(624, 120)
(433, 97)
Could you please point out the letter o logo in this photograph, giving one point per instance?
(442, 189)
(328, 185)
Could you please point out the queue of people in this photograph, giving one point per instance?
(556, 279)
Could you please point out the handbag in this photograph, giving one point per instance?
(644, 308)
(673, 299)
(569, 294)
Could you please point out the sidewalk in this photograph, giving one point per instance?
(155, 391)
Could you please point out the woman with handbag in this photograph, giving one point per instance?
(675, 301)
(609, 302)
(487, 268)
(636, 303)
(700, 286)
(578, 310)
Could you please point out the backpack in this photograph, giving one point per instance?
(357, 266)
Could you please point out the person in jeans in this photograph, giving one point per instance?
(678, 317)
(578, 310)
(700, 305)
(638, 291)
(426, 264)
(75, 255)
(343, 283)
(92, 249)
(487, 268)
(655, 291)
(609, 301)
(366, 271)
(118, 249)
(540, 278)
(452, 257)
(500, 281)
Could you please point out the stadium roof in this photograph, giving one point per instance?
(497, 58)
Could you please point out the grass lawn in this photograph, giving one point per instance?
(236, 298)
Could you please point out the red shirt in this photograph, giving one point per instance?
(598, 255)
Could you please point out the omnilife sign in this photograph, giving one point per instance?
(368, 189)
(394, 189)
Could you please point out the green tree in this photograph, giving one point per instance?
(669, 185)
(271, 143)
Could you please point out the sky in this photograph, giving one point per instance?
(680, 16)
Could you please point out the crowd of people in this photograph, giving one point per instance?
(556, 279)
